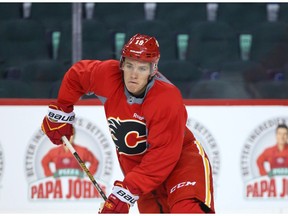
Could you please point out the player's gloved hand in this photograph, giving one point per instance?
(119, 201)
(58, 122)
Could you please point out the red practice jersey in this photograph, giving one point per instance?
(156, 151)
(275, 157)
(63, 159)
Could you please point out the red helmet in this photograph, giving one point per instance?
(144, 48)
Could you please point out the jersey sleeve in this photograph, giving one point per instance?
(89, 76)
(47, 159)
(261, 160)
(166, 123)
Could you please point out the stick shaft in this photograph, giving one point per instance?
(83, 166)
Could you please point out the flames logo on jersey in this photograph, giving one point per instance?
(129, 136)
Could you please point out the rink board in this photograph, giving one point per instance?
(233, 133)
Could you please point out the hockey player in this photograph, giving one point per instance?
(165, 169)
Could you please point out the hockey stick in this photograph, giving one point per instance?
(83, 166)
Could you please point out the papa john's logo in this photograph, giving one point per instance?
(204, 136)
(264, 161)
(128, 135)
(54, 174)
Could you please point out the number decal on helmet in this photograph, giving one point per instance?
(142, 47)
(139, 42)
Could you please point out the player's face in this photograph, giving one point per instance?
(281, 136)
(136, 75)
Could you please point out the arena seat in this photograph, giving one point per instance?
(242, 17)
(97, 41)
(10, 11)
(52, 15)
(271, 89)
(42, 70)
(182, 74)
(116, 15)
(180, 15)
(211, 44)
(14, 89)
(270, 44)
(22, 40)
(219, 89)
(248, 71)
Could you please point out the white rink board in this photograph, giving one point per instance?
(230, 126)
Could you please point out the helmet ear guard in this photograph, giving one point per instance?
(143, 48)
